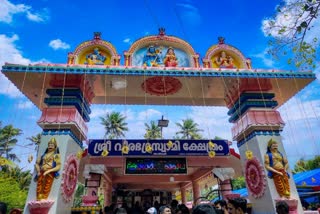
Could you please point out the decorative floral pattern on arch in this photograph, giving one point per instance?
(69, 177)
(161, 86)
(255, 177)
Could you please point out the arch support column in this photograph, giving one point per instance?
(255, 123)
(64, 122)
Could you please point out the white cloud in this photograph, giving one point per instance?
(296, 110)
(58, 44)
(265, 58)
(35, 17)
(25, 105)
(8, 9)
(188, 13)
(148, 115)
(9, 53)
(127, 40)
(213, 121)
(289, 17)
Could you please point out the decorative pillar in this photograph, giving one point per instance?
(196, 60)
(183, 195)
(226, 188)
(63, 122)
(196, 191)
(117, 60)
(127, 58)
(107, 194)
(206, 63)
(256, 126)
(70, 58)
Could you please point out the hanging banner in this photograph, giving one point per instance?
(158, 147)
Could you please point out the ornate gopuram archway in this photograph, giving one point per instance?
(155, 67)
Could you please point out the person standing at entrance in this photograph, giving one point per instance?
(3, 208)
(237, 206)
(164, 210)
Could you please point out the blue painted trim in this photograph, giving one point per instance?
(246, 96)
(257, 133)
(197, 72)
(249, 104)
(63, 132)
(66, 92)
(56, 101)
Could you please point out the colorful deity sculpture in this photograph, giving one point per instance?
(277, 166)
(170, 60)
(152, 57)
(224, 61)
(47, 167)
(95, 58)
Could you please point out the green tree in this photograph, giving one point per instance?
(78, 195)
(11, 192)
(189, 129)
(290, 29)
(115, 125)
(238, 183)
(36, 140)
(22, 177)
(153, 131)
(306, 165)
(8, 140)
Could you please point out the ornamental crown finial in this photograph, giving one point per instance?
(162, 31)
(97, 35)
(221, 40)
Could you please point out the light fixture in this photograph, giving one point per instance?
(162, 123)
(118, 83)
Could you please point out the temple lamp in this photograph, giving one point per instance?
(162, 123)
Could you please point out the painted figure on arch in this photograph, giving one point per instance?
(224, 61)
(152, 57)
(47, 167)
(170, 60)
(277, 166)
(95, 58)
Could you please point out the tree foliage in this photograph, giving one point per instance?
(306, 165)
(292, 32)
(189, 130)
(14, 185)
(8, 139)
(238, 183)
(115, 125)
(153, 131)
(35, 140)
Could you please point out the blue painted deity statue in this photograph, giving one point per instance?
(152, 57)
(95, 58)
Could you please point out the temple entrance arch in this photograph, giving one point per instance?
(155, 69)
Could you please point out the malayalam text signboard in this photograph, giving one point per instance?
(159, 147)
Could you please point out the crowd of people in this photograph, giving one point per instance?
(233, 206)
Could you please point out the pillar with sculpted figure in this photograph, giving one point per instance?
(64, 128)
(257, 128)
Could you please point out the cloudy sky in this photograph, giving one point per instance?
(46, 30)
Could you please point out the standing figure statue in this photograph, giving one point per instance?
(95, 58)
(170, 60)
(47, 167)
(277, 166)
(152, 57)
